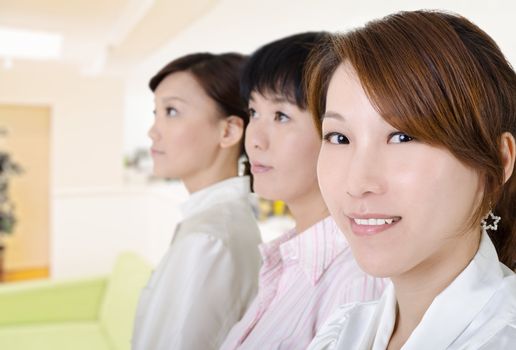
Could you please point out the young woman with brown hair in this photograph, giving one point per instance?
(416, 167)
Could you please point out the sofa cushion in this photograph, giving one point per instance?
(117, 313)
(51, 301)
(56, 336)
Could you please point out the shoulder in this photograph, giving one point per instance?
(218, 243)
(494, 327)
(505, 338)
(222, 221)
(197, 243)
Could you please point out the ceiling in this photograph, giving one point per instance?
(100, 35)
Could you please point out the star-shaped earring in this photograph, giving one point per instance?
(491, 217)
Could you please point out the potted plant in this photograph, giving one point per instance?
(8, 168)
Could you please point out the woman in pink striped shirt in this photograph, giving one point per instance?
(309, 271)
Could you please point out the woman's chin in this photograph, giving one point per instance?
(161, 173)
(376, 265)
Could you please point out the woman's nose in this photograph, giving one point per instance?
(365, 175)
(256, 138)
(153, 131)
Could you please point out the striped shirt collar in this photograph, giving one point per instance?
(313, 249)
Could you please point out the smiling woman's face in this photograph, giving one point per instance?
(186, 133)
(404, 205)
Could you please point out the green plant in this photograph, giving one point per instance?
(8, 168)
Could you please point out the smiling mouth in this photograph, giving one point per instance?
(376, 222)
(365, 226)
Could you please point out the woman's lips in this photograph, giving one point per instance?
(257, 168)
(155, 152)
(372, 224)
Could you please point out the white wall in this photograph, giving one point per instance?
(93, 225)
(236, 25)
(86, 120)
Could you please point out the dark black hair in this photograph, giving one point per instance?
(278, 68)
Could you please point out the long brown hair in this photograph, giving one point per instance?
(439, 78)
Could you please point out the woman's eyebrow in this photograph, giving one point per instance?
(171, 98)
(333, 115)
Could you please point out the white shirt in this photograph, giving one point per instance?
(304, 278)
(476, 311)
(207, 278)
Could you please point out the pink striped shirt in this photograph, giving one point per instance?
(303, 279)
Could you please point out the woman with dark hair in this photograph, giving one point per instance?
(418, 117)
(209, 274)
(301, 280)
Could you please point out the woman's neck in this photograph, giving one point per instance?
(416, 289)
(208, 177)
(308, 209)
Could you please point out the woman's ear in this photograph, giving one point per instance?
(232, 131)
(508, 149)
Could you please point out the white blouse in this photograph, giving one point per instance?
(208, 276)
(476, 311)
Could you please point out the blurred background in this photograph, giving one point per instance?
(75, 109)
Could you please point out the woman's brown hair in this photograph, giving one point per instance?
(219, 76)
(441, 79)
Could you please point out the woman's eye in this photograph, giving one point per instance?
(252, 113)
(171, 111)
(336, 138)
(281, 117)
(399, 137)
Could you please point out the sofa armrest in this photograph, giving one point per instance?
(51, 301)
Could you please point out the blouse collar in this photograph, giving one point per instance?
(223, 191)
(313, 249)
(453, 307)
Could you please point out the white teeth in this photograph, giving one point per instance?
(373, 222)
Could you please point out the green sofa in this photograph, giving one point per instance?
(87, 314)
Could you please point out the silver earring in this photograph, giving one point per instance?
(494, 221)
